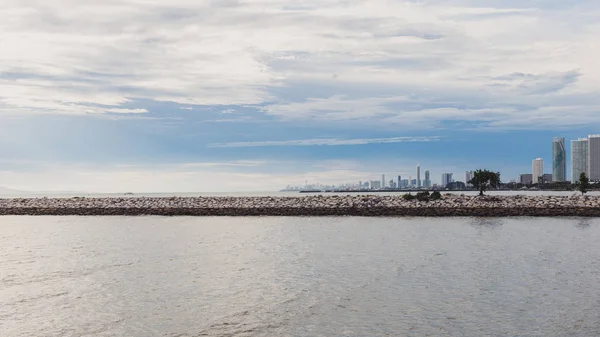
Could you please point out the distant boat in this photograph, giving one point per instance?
(128, 193)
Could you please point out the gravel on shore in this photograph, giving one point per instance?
(319, 205)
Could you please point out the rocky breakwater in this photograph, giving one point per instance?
(355, 205)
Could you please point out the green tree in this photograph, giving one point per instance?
(409, 196)
(584, 183)
(484, 179)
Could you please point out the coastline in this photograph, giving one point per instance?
(355, 205)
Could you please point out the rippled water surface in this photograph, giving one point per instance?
(153, 276)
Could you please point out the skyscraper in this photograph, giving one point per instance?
(537, 168)
(427, 179)
(468, 177)
(594, 157)
(559, 159)
(526, 178)
(579, 158)
(383, 181)
(399, 181)
(418, 176)
(446, 179)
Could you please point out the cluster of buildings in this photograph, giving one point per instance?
(404, 184)
(400, 183)
(421, 181)
(585, 158)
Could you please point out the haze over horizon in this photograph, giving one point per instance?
(190, 96)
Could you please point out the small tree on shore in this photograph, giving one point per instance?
(484, 179)
(584, 183)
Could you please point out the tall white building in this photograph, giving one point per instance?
(468, 177)
(383, 181)
(446, 179)
(418, 176)
(594, 157)
(579, 158)
(537, 168)
(559, 159)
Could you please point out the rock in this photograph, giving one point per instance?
(360, 205)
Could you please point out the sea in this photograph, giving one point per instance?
(292, 276)
(272, 194)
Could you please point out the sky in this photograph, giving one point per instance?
(248, 95)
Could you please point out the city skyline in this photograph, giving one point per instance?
(149, 96)
(580, 161)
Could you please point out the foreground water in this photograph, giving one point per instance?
(153, 276)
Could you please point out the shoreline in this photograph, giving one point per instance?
(354, 205)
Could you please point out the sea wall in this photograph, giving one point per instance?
(355, 205)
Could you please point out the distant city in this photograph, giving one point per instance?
(585, 158)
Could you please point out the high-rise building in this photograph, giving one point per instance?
(427, 182)
(399, 181)
(383, 180)
(446, 179)
(418, 176)
(559, 159)
(468, 177)
(579, 158)
(404, 183)
(594, 157)
(526, 178)
(375, 185)
(537, 168)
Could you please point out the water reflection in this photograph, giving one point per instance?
(487, 222)
(583, 223)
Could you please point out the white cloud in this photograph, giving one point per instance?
(334, 108)
(72, 56)
(237, 163)
(329, 142)
(126, 111)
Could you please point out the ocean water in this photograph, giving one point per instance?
(155, 276)
(275, 194)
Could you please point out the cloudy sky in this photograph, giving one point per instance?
(248, 95)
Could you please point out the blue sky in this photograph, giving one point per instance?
(181, 95)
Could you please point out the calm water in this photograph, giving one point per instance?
(152, 276)
(276, 194)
